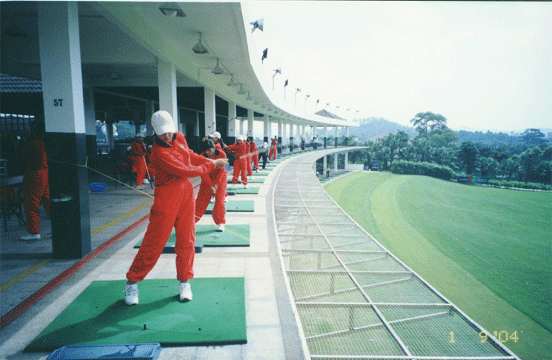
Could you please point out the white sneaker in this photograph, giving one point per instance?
(220, 227)
(212, 199)
(232, 186)
(31, 237)
(146, 181)
(185, 290)
(140, 187)
(226, 199)
(246, 186)
(131, 294)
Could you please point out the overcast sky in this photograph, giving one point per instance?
(482, 65)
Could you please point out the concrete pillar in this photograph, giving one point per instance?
(267, 133)
(62, 91)
(325, 165)
(325, 137)
(210, 111)
(232, 124)
(166, 74)
(335, 161)
(150, 109)
(250, 116)
(284, 133)
(303, 137)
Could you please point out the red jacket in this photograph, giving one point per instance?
(177, 162)
(253, 147)
(239, 149)
(33, 152)
(216, 175)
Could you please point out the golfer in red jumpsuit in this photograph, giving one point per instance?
(254, 155)
(138, 156)
(273, 149)
(35, 186)
(173, 206)
(213, 184)
(249, 158)
(240, 162)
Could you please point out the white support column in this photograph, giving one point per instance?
(210, 110)
(267, 132)
(250, 115)
(232, 122)
(63, 98)
(166, 74)
(241, 127)
(284, 133)
(335, 161)
(325, 165)
(150, 109)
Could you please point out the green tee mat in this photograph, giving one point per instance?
(107, 352)
(261, 173)
(241, 190)
(208, 236)
(234, 206)
(99, 315)
(253, 180)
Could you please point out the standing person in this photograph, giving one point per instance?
(35, 187)
(213, 184)
(173, 206)
(254, 154)
(240, 152)
(249, 157)
(138, 153)
(273, 149)
(263, 151)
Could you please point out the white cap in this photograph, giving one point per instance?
(162, 122)
(140, 134)
(215, 134)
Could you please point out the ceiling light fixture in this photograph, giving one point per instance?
(217, 70)
(199, 48)
(171, 11)
(232, 82)
(241, 91)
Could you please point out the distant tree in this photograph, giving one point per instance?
(487, 166)
(544, 172)
(533, 136)
(468, 156)
(423, 122)
(443, 137)
(510, 166)
(530, 159)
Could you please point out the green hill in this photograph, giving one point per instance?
(487, 250)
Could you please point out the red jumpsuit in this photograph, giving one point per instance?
(173, 206)
(35, 186)
(138, 156)
(219, 178)
(249, 155)
(255, 154)
(273, 149)
(240, 162)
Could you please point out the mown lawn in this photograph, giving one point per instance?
(488, 250)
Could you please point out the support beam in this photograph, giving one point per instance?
(210, 111)
(232, 124)
(62, 90)
(166, 74)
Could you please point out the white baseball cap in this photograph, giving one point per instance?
(162, 122)
(140, 134)
(215, 134)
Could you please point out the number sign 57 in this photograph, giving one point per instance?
(58, 102)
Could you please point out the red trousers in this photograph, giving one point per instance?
(249, 171)
(272, 152)
(239, 169)
(35, 192)
(139, 167)
(174, 206)
(204, 198)
(256, 160)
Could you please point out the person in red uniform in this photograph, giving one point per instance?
(249, 157)
(273, 149)
(173, 206)
(240, 153)
(35, 187)
(215, 136)
(254, 154)
(213, 184)
(138, 155)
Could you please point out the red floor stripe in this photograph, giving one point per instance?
(31, 300)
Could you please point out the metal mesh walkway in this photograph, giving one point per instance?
(353, 298)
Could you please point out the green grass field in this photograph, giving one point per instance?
(487, 250)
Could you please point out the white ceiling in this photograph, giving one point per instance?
(126, 38)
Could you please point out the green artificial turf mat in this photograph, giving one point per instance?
(253, 180)
(207, 235)
(261, 173)
(235, 206)
(240, 190)
(99, 315)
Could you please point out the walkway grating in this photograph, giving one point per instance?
(353, 298)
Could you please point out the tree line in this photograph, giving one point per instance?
(528, 160)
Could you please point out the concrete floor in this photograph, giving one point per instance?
(271, 326)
